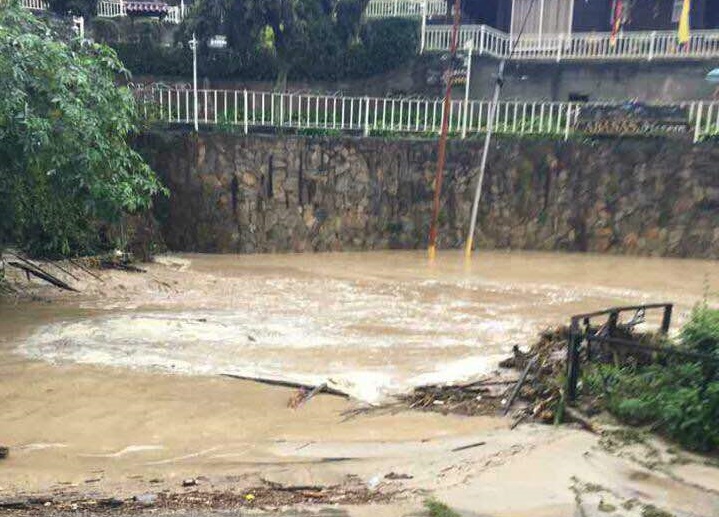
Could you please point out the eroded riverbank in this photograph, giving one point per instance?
(104, 417)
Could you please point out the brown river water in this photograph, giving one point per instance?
(115, 389)
(373, 324)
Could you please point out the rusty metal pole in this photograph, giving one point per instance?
(442, 150)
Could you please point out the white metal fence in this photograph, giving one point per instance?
(405, 8)
(382, 116)
(34, 5)
(117, 8)
(111, 8)
(705, 118)
(579, 46)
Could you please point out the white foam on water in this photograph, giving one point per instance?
(369, 340)
(131, 449)
(298, 348)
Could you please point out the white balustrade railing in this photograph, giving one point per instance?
(111, 8)
(366, 115)
(34, 5)
(405, 8)
(421, 116)
(116, 8)
(705, 117)
(579, 46)
(174, 15)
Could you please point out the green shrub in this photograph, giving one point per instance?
(701, 333)
(675, 400)
(86, 8)
(384, 45)
(105, 30)
(146, 31)
(679, 399)
(439, 509)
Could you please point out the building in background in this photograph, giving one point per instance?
(568, 16)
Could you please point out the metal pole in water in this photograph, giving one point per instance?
(193, 45)
(490, 124)
(442, 151)
(483, 163)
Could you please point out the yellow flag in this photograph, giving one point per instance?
(684, 23)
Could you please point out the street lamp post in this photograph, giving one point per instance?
(469, 46)
(193, 46)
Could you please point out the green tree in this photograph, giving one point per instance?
(290, 29)
(66, 169)
(86, 8)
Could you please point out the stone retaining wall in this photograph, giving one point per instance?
(232, 193)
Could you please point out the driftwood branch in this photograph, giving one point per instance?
(43, 275)
(287, 384)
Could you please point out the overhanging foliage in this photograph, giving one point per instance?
(66, 168)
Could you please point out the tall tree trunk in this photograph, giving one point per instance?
(282, 72)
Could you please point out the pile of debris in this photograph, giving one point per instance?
(269, 496)
(529, 383)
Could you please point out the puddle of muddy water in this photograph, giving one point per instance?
(372, 323)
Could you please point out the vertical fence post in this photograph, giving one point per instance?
(575, 340)
(244, 111)
(667, 319)
(560, 45)
(652, 41)
(366, 116)
(482, 32)
(568, 122)
(698, 122)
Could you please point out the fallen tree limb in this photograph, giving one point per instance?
(287, 384)
(36, 267)
(67, 272)
(47, 277)
(85, 269)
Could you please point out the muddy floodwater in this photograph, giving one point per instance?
(372, 324)
(114, 390)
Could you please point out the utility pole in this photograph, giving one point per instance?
(490, 127)
(193, 46)
(442, 151)
(483, 163)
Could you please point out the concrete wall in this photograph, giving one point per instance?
(645, 81)
(232, 193)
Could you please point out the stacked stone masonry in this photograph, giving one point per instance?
(248, 194)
